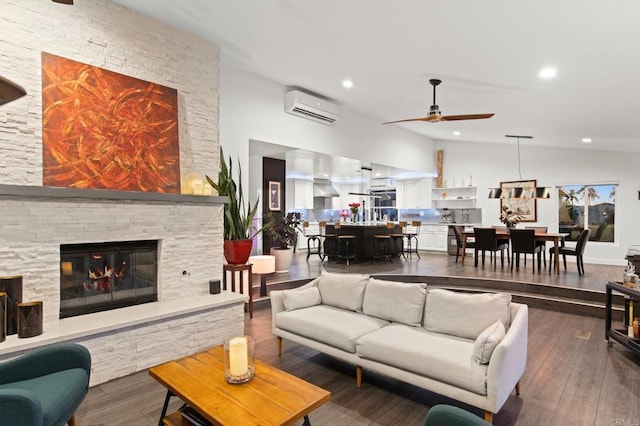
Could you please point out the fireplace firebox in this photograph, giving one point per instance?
(97, 277)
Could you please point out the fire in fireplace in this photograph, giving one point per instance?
(101, 276)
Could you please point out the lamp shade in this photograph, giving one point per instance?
(263, 264)
(9, 91)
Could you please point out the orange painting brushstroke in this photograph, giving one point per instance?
(105, 130)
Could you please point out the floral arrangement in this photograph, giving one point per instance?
(354, 208)
(343, 213)
(509, 217)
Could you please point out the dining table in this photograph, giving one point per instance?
(556, 237)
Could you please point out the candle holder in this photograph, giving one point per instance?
(239, 359)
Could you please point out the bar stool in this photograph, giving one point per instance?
(381, 247)
(412, 234)
(314, 243)
(330, 246)
(397, 238)
(346, 247)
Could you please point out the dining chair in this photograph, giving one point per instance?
(576, 251)
(458, 229)
(486, 240)
(543, 244)
(505, 240)
(523, 241)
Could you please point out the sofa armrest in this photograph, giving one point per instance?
(19, 407)
(509, 359)
(47, 360)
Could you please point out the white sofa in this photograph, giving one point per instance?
(471, 347)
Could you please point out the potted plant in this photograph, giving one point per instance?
(509, 217)
(238, 214)
(283, 231)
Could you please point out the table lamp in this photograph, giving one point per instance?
(263, 265)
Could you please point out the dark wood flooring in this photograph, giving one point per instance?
(569, 379)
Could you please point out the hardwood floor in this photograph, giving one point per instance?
(568, 380)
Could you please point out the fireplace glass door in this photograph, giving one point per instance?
(101, 276)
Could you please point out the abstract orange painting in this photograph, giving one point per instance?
(105, 130)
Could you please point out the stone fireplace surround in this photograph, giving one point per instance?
(34, 221)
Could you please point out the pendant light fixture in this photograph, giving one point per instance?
(540, 192)
(10, 91)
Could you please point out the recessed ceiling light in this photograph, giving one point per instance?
(347, 83)
(586, 140)
(548, 73)
(378, 174)
(326, 175)
(456, 133)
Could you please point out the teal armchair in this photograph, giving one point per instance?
(44, 387)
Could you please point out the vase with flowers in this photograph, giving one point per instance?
(344, 214)
(509, 217)
(354, 211)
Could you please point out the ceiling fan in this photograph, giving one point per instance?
(434, 115)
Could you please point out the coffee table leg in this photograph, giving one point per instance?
(306, 421)
(164, 407)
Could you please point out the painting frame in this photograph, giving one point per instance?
(526, 208)
(274, 196)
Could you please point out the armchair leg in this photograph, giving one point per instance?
(279, 346)
(488, 417)
(72, 421)
(518, 388)
(358, 376)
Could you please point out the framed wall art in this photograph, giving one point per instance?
(274, 196)
(524, 207)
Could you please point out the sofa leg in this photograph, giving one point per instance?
(279, 346)
(518, 388)
(358, 376)
(72, 421)
(488, 417)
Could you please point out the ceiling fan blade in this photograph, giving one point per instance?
(465, 117)
(429, 118)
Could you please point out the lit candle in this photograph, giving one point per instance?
(238, 360)
(67, 269)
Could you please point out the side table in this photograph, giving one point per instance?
(239, 271)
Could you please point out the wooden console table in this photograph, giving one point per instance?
(621, 336)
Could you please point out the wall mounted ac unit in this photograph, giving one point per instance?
(308, 106)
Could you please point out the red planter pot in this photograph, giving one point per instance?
(237, 252)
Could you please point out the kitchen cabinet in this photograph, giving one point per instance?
(342, 202)
(299, 194)
(463, 197)
(433, 237)
(413, 194)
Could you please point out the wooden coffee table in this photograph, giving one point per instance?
(272, 397)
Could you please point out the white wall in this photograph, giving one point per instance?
(252, 107)
(490, 164)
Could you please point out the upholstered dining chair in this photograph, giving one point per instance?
(523, 241)
(486, 240)
(458, 229)
(45, 386)
(543, 244)
(577, 251)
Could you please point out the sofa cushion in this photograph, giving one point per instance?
(395, 301)
(487, 342)
(304, 298)
(464, 314)
(344, 291)
(326, 324)
(437, 356)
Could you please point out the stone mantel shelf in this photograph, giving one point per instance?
(73, 328)
(104, 194)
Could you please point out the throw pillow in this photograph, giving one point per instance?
(344, 291)
(464, 314)
(395, 301)
(298, 299)
(487, 342)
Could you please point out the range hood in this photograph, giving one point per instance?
(322, 188)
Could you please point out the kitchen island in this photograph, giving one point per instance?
(364, 232)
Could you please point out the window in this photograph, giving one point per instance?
(588, 205)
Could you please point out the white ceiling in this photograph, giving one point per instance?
(488, 54)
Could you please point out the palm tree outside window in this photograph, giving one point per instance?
(590, 206)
